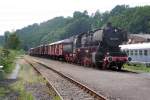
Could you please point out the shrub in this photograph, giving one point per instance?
(6, 59)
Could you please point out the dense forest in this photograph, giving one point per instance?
(132, 19)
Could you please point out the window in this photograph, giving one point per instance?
(127, 52)
(136, 52)
(131, 52)
(145, 52)
(140, 52)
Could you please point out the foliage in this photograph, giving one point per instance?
(1, 41)
(11, 40)
(133, 19)
(6, 59)
(137, 67)
(4, 91)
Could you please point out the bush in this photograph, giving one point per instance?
(137, 67)
(6, 59)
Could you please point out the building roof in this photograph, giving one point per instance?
(137, 38)
(146, 36)
(135, 46)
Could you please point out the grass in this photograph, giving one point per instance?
(23, 94)
(4, 91)
(57, 98)
(29, 75)
(137, 67)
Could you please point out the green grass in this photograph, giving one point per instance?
(17, 87)
(4, 91)
(23, 94)
(137, 67)
(57, 98)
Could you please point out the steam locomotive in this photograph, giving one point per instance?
(98, 48)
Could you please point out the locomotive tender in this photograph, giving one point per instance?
(95, 48)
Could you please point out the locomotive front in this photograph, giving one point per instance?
(108, 53)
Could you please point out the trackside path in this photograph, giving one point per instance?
(111, 84)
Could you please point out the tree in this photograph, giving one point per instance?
(1, 41)
(96, 20)
(78, 15)
(118, 9)
(6, 35)
(13, 41)
(78, 26)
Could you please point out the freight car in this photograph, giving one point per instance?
(95, 48)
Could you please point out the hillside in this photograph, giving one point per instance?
(1, 40)
(134, 20)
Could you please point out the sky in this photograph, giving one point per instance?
(16, 14)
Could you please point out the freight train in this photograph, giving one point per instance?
(98, 48)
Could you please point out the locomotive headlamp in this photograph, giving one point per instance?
(107, 53)
(129, 58)
(116, 30)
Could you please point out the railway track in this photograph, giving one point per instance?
(55, 92)
(66, 87)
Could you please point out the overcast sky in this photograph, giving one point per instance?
(15, 14)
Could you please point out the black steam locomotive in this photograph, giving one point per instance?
(95, 48)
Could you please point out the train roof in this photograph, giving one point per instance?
(142, 35)
(62, 41)
(135, 46)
